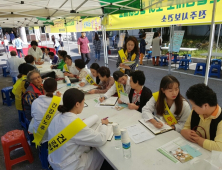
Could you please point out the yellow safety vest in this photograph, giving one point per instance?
(168, 115)
(46, 120)
(65, 135)
(123, 57)
(66, 68)
(119, 88)
(17, 91)
(90, 80)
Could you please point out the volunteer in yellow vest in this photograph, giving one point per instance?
(106, 81)
(122, 83)
(43, 110)
(71, 149)
(92, 78)
(130, 52)
(69, 68)
(168, 105)
(204, 124)
(19, 87)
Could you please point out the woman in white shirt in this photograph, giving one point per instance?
(35, 51)
(80, 65)
(168, 105)
(56, 44)
(156, 44)
(76, 153)
(61, 41)
(6, 42)
(38, 111)
(69, 68)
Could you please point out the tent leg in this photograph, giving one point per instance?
(212, 30)
(104, 45)
(218, 38)
(46, 38)
(171, 48)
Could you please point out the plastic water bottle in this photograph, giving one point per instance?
(126, 144)
(68, 83)
(117, 136)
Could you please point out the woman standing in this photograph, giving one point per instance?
(56, 44)
(156, 45)
(130, 52)
(61, 41)
(97, 46)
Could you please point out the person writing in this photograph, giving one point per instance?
(129, 52)
(74, 151)
(204, 124)
(142, 48)
(46, 55)
(80, 66)
(40, 114)
(106, 81)
(35, 51)
(168, 105)
(69, 67)
(139, 94)
(122, 84)
(34, 90)
(93, 77)
(53, 58)
(60, 65)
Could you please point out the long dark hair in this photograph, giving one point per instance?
(96, 37)
(50, 86)
(166, 83)
(70, 98)
(136, 49)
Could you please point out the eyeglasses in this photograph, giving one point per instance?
(35, 78)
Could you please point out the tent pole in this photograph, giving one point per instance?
(103, 45)
(218, 38)
(46, 38)
(67, 36)
(106, 47)
(170, 49)
(212, 30)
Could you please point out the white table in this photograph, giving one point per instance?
(45, 67)
(144, 155)
(181, 49)
(212, 54)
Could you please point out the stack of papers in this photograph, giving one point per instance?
(109, 102)
(86, 88)
(138, 133)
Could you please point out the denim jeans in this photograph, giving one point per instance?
(20, 51)
(97, 52)
(57, 49)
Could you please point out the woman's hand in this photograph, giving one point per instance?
(189, 135)
(132, 106)
(65, 74)
(92, 91)
(119, 101)
(156, 124)
(106, 121)
(101, 99)
(82, 84)
(58, 94)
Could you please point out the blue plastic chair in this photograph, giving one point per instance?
(43, 155)
(163, 61)
(5, 74)
(215, 70)
(200, 70)
(175, 58)
(7, 96)
(216, 62)
(187, 56)
(184, 64)
(14, 79)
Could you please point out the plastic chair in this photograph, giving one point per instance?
(43, 155)
(5, 74)
(216, 62)
(23, 120)
(184, 64)
(200, 70)
(11, 141)
(175, 58)
(14, 79)
(7, 96)
(215, 70)
(163, 61)
(187, 56)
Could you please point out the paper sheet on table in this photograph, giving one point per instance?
(138, 133)
(124, 97)
(128, 63)
(90, 121)
(109, 131)
(109, 102)
(86, 88)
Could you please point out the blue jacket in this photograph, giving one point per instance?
(142, 46)
(12, 36)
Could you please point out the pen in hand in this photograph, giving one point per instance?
(105, 118)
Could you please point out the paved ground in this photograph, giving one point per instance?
(9, 116)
